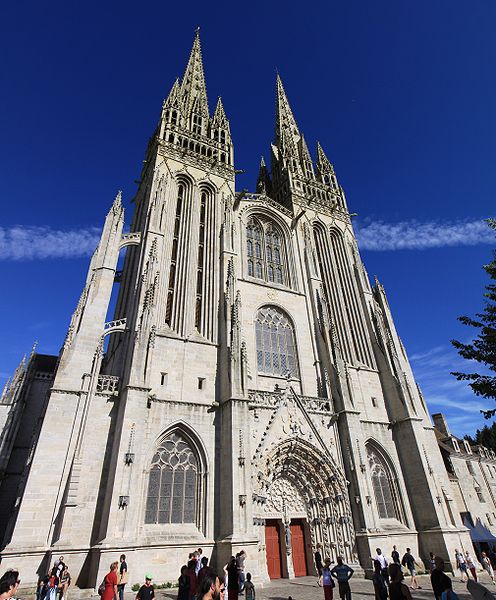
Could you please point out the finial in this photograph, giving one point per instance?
(197, 31)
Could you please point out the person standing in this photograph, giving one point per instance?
(232, 579)
(380, 587)
(343, 573)
(193, 580)
(183, 587)
(408, 561)
(9, 582)
(326, 580)
(318, 559)
(487, 566)
(461, 564)
(64, 583)
(397, 589)
(439, 580)
(241, 570)
(53, 582)
(198, 561)
(147, 590)
(123, 576)
(110, 583)
(432, 562)
(249, 588)
(382, 560)
(211, 587)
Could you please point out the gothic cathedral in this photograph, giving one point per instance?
(251, 391)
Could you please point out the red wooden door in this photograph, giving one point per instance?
(273, 549)
(298, 549)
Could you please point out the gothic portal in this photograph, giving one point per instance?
(250, 392)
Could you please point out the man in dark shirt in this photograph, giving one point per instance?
(395, 555)
(318, 559)
(146, 591)
(439, 580)
(342, 573)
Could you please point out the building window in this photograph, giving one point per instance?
(265, 252)
(197, 124)
(382, 485)
(276, 348)
(173, 483)
(470, 467)
(174, 255)
(479, 493)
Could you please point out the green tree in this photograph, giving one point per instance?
(485, 436)
(483, 347)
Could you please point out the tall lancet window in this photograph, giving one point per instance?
(174, 254)
(200, 284)
(276, 347)
(174, 483)
(266, 253)
(383, 485)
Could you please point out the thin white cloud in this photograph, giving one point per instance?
(415, 235)
(35, 243)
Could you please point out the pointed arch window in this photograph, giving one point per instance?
(174, 484)
(383, 486)
(275, 339)
(266, 255)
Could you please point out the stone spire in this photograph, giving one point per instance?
(264, 184)
(173, 100)
(219, 119)
(305, 158)
(324, 166)
(287, 134)
(193, 88)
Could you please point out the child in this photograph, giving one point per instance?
(249, 588)
(146, 591)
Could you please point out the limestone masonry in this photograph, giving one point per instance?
(251, 391)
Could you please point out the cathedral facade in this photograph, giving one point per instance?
(251, 391)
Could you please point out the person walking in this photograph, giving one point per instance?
(461, 565)
(110, 583)
(471, 564)
(487, 566)
(380, 587)
(326, 580)
(147, 590)
(199, 557)
(343, 573)
(397, 589)
(395, 555)
(123, 576)
(382, 560)
(408, 561)
(439, 580)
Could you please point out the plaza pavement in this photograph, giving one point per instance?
(306, 588)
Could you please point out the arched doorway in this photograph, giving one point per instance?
(301, 499)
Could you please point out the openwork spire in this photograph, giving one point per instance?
(193, 88)
(324, 166)
(287, 133)
(219, 119)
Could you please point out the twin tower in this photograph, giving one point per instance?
(251, 391)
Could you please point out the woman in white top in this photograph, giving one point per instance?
(486, 565)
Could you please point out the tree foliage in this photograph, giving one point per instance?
(485, 436)
(483, 348)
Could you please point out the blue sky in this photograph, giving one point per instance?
(400, 94)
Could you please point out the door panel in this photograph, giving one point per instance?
(273, 549)
(298, 549)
